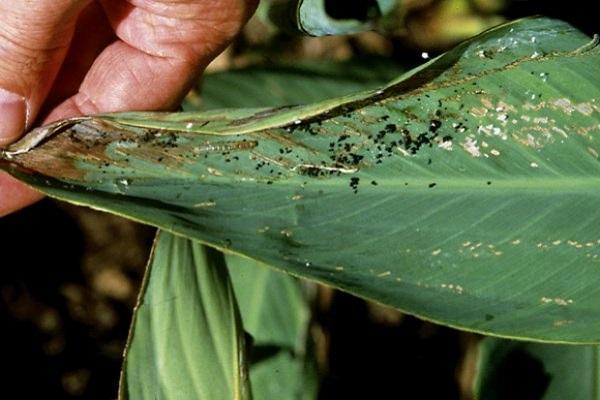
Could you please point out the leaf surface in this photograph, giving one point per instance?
(186, 340)
(285, 377)
(466, 191)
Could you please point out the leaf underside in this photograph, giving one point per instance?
(466, 191)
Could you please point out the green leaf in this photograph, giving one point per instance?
(285, 377)
(466, 191)
(518, 370)
(186, 340)
(284, 84)
(322, 17)
(273, 308)
(275, 312)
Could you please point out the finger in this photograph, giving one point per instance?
(85, 47)
(163, 47)
(34, 37)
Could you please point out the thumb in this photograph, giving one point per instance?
(34, 39)
(13, 114)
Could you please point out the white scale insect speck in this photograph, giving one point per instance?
(455, 288)
(557, 300)
(446, 145)
(189, 125)
(534, 165)
(470, 146)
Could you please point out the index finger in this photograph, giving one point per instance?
(163, 46)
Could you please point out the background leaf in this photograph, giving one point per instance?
(276, 314)
(465, 191)
(274, 309)
(285, 84)
(519, 370)
(186, 340)
(285, 376)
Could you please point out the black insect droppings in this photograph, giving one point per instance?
(391, 128)
(434, 125)
(354, 183)
(432, 184)
(312, 171)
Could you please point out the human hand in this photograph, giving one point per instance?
(62, 58)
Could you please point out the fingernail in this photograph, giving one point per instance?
(13, 116)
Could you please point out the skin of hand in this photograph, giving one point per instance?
(63, 58)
